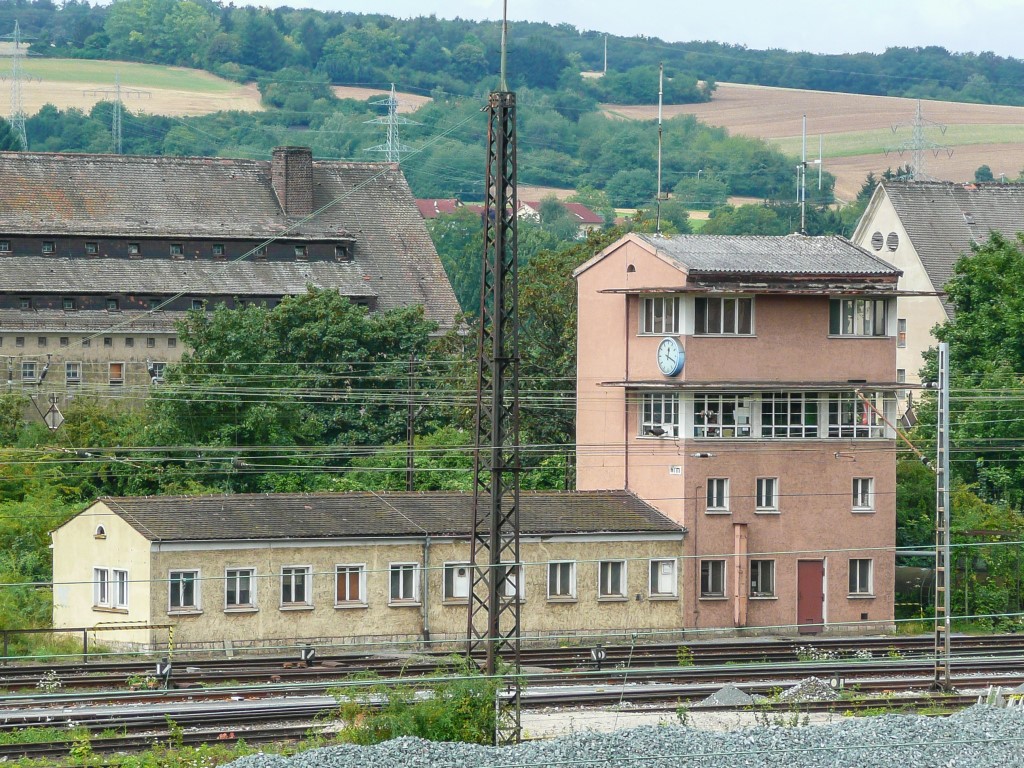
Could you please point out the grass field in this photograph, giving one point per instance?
(857, 130)
(146, 87)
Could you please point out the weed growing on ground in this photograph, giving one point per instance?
(684, 656)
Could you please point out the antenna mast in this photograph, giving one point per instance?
(661, 82)
(392, 148)
(801, 175)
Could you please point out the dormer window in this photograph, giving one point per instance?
(300, 252)
(343, 252)
(91, 249)
(134, 249)
(218, 250)
(49, 246)
(68, 303)
(5, 246)
(113, 305)
(177, 251)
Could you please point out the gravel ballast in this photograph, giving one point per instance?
(979, 737)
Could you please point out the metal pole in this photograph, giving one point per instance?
(661, 82)
(410, 431)
(943, 570)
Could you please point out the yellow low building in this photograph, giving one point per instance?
(267, 570)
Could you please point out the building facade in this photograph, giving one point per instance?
(924, 228)
(744, 386)
(100, 255)
(281, 569)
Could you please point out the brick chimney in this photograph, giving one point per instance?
(292, 177)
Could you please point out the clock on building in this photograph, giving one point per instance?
(671, 356)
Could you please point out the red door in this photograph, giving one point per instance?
(810, 596)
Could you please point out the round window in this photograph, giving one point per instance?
(876, 241)
(892, 242)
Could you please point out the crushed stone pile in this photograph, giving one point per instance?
(979, 737)
(726, 696)
(810, 689)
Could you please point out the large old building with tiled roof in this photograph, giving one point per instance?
(100, 255)
(273, 569)
(923, 228)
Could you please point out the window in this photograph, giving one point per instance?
(767, 494)
(19, 341)
(659, 315)
(156, 372)
(457, 581)
(562, 580)
(183, 591)
(789, 414)
(25, 302)
(239, 588)
(108, 341)
(350, 585)
(28, 370)
(514, 582)
(718, 494)
(218, 249)
(901, 333)
(134, 249)
(863, 494)
(404, 582)
(712, 578)
(68, 303)
(342, 253)
(762, 578)
(101, 532)
(91, 249)
(663, 578)
(113, 305)
(849, 416)
(101, 587)
(857, 317)
(49, 246)
(172, 342)
(87, 342)
(724, 415)
(300, 251)
(41, 341)
(860, 577)
(721, 315)
(72, 372)
(65, 341)
(129, 342)
(120, 588)
(150, 342)
(611, 578)
(901, 378)
(177, 251)
(659, 415)
(198, 304)
(116, 374)
(5, 246)
(261, 253)
(295, 586)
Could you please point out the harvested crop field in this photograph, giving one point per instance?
(407, 102)
(858, 129)
(146, 88)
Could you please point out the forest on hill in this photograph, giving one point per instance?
(428, 53)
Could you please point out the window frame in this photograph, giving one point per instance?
(863, 489)
(24, 303)
(177, 250)
(708, 579)
(715, 415)
(49, 247)
(29, 367)
(855, 577)
(850, 417)
(112, 380)
(402, 599)
(670, 405)
(301, 252)
(756, 568)
(716, 496)
(449, 582)
(91, 248)
(702, 317)
(766, 505)
(119, 582)
(359, 569)
(113, 304)
(68, 303)
(68, 377)
(657, 562)
(134, 249)
(651, 324)
(790, 414)
(236, 574)
(288, 581)
(901, 333)
(100, 587)
(849, 317)
(570, 594)
(605, 568)
(217, 249)
(5, 246)
(173, 584)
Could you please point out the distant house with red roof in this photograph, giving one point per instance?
(586, 220)
(432, 207)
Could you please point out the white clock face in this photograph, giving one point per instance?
(670, 357)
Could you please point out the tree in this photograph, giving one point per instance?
(459, 240)
(631, 188)
(983, 174)
(9, 141)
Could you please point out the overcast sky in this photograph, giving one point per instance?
(819, 26)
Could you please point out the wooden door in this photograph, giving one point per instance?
(810, 596)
